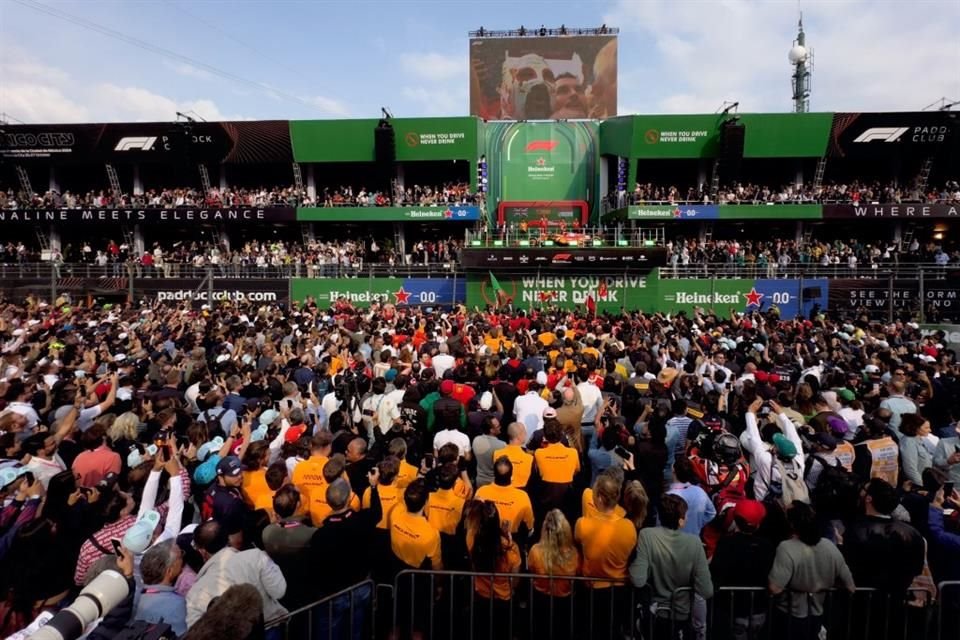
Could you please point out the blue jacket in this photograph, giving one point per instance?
(161, 603)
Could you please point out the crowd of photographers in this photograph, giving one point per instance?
(201, 452)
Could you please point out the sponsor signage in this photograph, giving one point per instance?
(610, 293)
(362, 292)
(149, 215)
(240, 290)
(674, 212)
(724, 212)
(876, 296)
(457, 213)
(893, 134)
(534, 258)
(168, 142)
(891, 211)
(790, 297)
(951, 334)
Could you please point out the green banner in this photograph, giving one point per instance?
(389, 214)
(679, 136)
(611, 293)
(786, 135)
(771, 212)
(542, 161)
(415, 139)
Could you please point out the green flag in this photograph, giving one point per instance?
(497, 289)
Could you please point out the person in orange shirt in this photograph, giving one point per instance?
(414, 544)
(319, 507)
(308, 474)
(450, 454)
(513, 504)
(444, 511)
(556, 462)
(587, 505)
(276, 477)
(606, 540)
(555, 555)
(390, 494)
(407, 472)
(254, 487)
(521, 461)
(494, 551)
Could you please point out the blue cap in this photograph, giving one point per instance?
(229, 466)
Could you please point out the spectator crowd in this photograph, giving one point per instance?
(238, 462)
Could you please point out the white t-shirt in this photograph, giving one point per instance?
(442, 362)
(459, 438)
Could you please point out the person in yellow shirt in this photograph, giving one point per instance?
(413, 540)
(389, 493)
(521, 461)
(407, 472)
(589, 508)
(444, 512)
(494, 551)
(276, 477)
(555, 555)
(450, 454)
(606, 540)
(556, 462)
(547, 338)
(319, 507)
(513, 504)
(308, 474)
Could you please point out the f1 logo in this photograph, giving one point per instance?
(884, 134)
(132, 143)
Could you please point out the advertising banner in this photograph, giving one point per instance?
(541, 78)
(389, 214)
(242, 290)
(542, 161)
(361, 292)
(870, 211)
(724, 295)
(951, 334)
(676, 136)
(892, 135)
(786, 135)
(557, 257)
(673, 212)
(874, 296)
(149, 215)
(611, 293)
(163, 142)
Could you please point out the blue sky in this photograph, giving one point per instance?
(346, 59)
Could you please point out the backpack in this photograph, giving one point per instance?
(837, 491)
(213, 423)
(791, 485)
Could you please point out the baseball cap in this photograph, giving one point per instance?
(846, 395)
(446, 387)
(750, 512)
(229, 466)
(10, 474)
(135, 458)
(838, 425)
(138, 537)
(871, 368)
(267, 417)
(825, 439)
(259, 433)
(549, 412)
(486, 400)
(390, 375)
(209, 447)
(784, 446)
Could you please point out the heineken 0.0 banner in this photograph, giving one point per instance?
(790, 297)
(455, 213)
(361, 292)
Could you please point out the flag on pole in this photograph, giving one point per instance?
(591, 305)
(602, 291)
(497, 289)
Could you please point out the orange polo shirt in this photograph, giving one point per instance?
(557, 463)
(414, 540)
(320, 510)
(406, 474)
(607, 542)
(509, 562)
(463, 489)
(307, 475)
(589, 508)
(444, 509)
(522, 463)
(255, 487)
(559, 588)
(513, 504)
(390, 496)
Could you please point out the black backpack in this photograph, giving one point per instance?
(837, 491)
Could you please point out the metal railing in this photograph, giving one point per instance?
(349, 613)
(903, 270)
(568, 236)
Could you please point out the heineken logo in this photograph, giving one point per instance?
(753, 298)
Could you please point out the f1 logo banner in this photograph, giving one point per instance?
(886, 134)
(143, 143)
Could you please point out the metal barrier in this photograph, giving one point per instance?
(906, 270)
(349, 613)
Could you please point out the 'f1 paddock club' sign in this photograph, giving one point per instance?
(593, 259)
(240, 290)
(916, 210)
(150, 215)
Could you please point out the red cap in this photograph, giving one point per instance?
(750, 512)
(446, 387)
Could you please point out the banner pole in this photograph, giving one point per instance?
(922, 296)
(890, 299)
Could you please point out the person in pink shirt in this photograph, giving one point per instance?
(97, 459)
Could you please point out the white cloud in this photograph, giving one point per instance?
(188, 70)
(329, 106)
(434, 67)
(39, 103)
(868, 55)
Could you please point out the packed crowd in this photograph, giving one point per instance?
(776, 257)
(300, 451)
(451, 193)
(856, 192)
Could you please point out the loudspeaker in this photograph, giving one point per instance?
(732, 135)
(809, 293)
(384, 143)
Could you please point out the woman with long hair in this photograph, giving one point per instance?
(637, 503)
(493, 551)
(555, 555)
